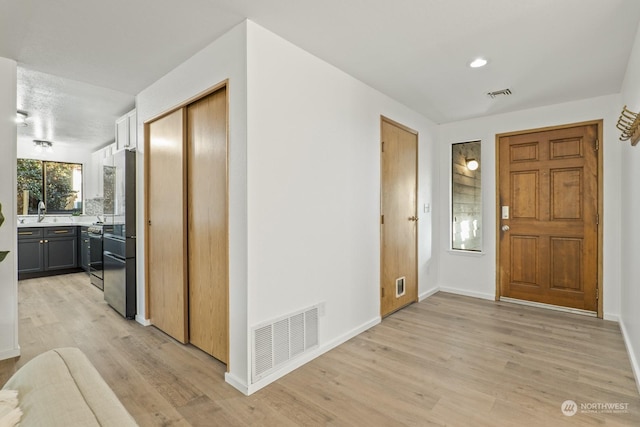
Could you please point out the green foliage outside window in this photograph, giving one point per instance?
(57, 184)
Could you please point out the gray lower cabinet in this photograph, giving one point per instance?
(47, 250)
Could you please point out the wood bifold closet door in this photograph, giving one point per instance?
(188, 269)
(548, 216)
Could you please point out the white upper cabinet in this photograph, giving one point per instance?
(93, 180)
(127, 131)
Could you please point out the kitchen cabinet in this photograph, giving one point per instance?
(94, 186)
(127, 131)
(30, 251)
(44, 251)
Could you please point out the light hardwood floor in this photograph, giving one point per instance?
(449, 360)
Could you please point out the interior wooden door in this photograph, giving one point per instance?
(548, 216)
(208, 224)
(166, 248)
(399, 165)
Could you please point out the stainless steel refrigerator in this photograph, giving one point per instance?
(119, 242)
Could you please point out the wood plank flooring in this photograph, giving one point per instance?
(449, 360)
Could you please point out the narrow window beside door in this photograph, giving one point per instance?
(466, 203)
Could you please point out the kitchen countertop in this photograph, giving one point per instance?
(53, 224)
(59, 223)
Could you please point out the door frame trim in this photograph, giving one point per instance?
(600, 185)
(413, 132)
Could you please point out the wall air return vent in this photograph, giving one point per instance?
(281, 340)
(499, 93)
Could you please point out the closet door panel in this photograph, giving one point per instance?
(166, 225)
(208, 224)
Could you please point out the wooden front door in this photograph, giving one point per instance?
(166, 225)
(208, 231)
(399, 164)
(548, 216)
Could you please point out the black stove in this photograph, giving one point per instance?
(96, 269)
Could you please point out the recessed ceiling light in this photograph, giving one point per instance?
(478, 62)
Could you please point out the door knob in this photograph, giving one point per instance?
(505, 228)
(413, 218)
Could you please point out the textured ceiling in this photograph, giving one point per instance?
(416, 51)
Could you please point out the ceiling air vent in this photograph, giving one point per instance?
(499, 92)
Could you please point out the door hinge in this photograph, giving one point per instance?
(383, 146)
(382, 219)
(597, 219)
(382, 292)
(597, 293)
(596, 145)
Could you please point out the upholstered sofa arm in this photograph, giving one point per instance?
(62, 388)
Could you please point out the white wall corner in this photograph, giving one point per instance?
(237, 383)
(9, 343)
(633, 358)
(9, 354)
(611, 317)
(423, 296)
(144, 322)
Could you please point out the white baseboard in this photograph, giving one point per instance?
(238, 384)
(9, 354)
(295, 364)
(423, 296)
(481, 295)
(143, 321)
(635, 363)
(612, 317)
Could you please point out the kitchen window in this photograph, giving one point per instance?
(58, 184)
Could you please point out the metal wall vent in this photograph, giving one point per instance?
(499, 92)
(281, 340)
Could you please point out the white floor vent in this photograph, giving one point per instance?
(279, 341)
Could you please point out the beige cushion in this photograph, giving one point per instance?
(62, 388)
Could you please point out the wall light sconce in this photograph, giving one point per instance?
(21, 118)
(472, 164)
(42, 145)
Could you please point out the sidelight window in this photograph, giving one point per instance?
(466, 202)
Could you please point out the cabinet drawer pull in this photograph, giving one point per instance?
(41, 241)
(61, 231)
(25, 233)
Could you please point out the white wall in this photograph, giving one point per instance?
(60, 154)
(9, 346)
(223, 59)
(314, 189)
(630, 199)
(304, 186)
(476, 275)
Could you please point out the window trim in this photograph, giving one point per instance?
(457, 251)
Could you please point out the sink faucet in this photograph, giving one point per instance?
(42, 209)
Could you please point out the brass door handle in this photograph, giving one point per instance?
(413, 218)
